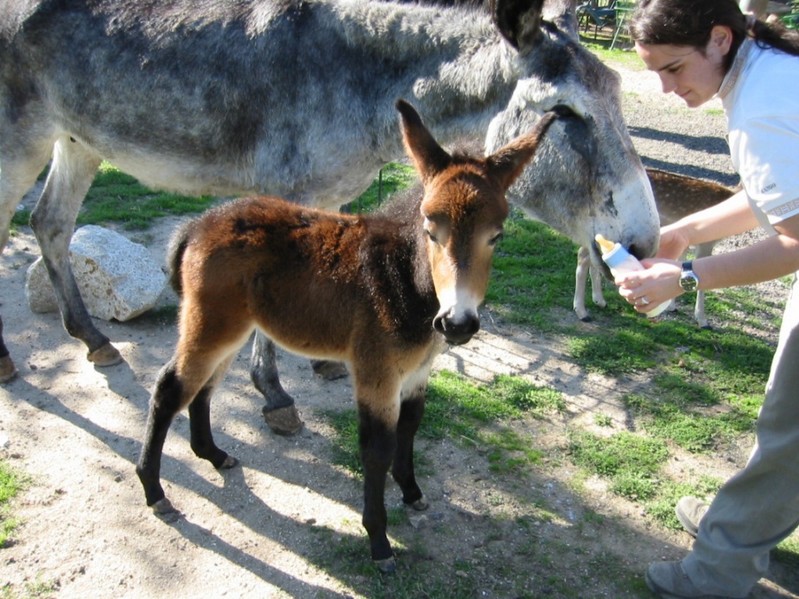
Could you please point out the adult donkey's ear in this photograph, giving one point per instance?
(563, 13)
(428, 157)
(518, 21)
(507, 163)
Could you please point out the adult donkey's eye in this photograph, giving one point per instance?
(496, 238)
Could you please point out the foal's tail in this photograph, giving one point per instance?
(174, 254)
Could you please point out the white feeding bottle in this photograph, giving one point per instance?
(620, 261)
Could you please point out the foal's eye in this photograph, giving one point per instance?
(496, 238)
(431, 236)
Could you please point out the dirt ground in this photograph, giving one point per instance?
(269, 527)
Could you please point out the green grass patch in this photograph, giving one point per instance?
(393, 177)
(623, 451)
(345, 448)
(529, 276)
(630, 461)
(623, 58)
(661, 507)
(669, 417)
(630, 350)
(117, 197)
(21, 218)
(11, 483)
(458, 407)
(509, 452)
(38, 589)
(787, 552)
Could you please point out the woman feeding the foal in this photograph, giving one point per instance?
(705, 49)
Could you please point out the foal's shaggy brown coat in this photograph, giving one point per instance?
(381, 292)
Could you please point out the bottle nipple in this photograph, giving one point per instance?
(604, 244)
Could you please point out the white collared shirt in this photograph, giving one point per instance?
(760, 96)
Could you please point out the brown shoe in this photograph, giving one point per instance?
(690, 511)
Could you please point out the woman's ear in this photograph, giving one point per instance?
(720, 41)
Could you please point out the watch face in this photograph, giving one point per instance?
(688, 281)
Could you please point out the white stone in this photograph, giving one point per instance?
(117, 278)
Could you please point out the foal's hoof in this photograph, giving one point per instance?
(228, 463)
(165, 511)
(105, 355)
(419, 505)
(386, 566)
(330, 371)
(7, 369)
(283, 421)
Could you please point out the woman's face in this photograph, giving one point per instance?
(693, 75)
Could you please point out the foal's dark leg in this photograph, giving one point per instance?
(202, 440)
(378, 444)
(279, 412)
(7, 369)
(402, 471)
(164, 404)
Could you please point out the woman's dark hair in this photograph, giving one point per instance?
(689, 23)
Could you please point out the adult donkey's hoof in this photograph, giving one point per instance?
(283, 421)
(105, 355)
(7, 369)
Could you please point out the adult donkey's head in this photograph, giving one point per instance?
(586, 177)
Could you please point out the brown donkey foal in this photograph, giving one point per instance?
(382, 292)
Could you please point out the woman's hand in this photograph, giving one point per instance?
(673, 243)
(659, 282)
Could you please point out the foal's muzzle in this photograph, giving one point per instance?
(457, 329)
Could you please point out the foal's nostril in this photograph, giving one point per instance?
(438, 324)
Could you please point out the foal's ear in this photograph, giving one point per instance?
(428, 157)
(508, 162)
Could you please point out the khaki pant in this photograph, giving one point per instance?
(759, 506)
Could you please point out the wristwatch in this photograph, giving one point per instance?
(688, 279)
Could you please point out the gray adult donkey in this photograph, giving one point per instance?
(296, 98)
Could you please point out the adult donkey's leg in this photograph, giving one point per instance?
(53, 221)
(7, 369)
(279, 412)
(19, 167)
